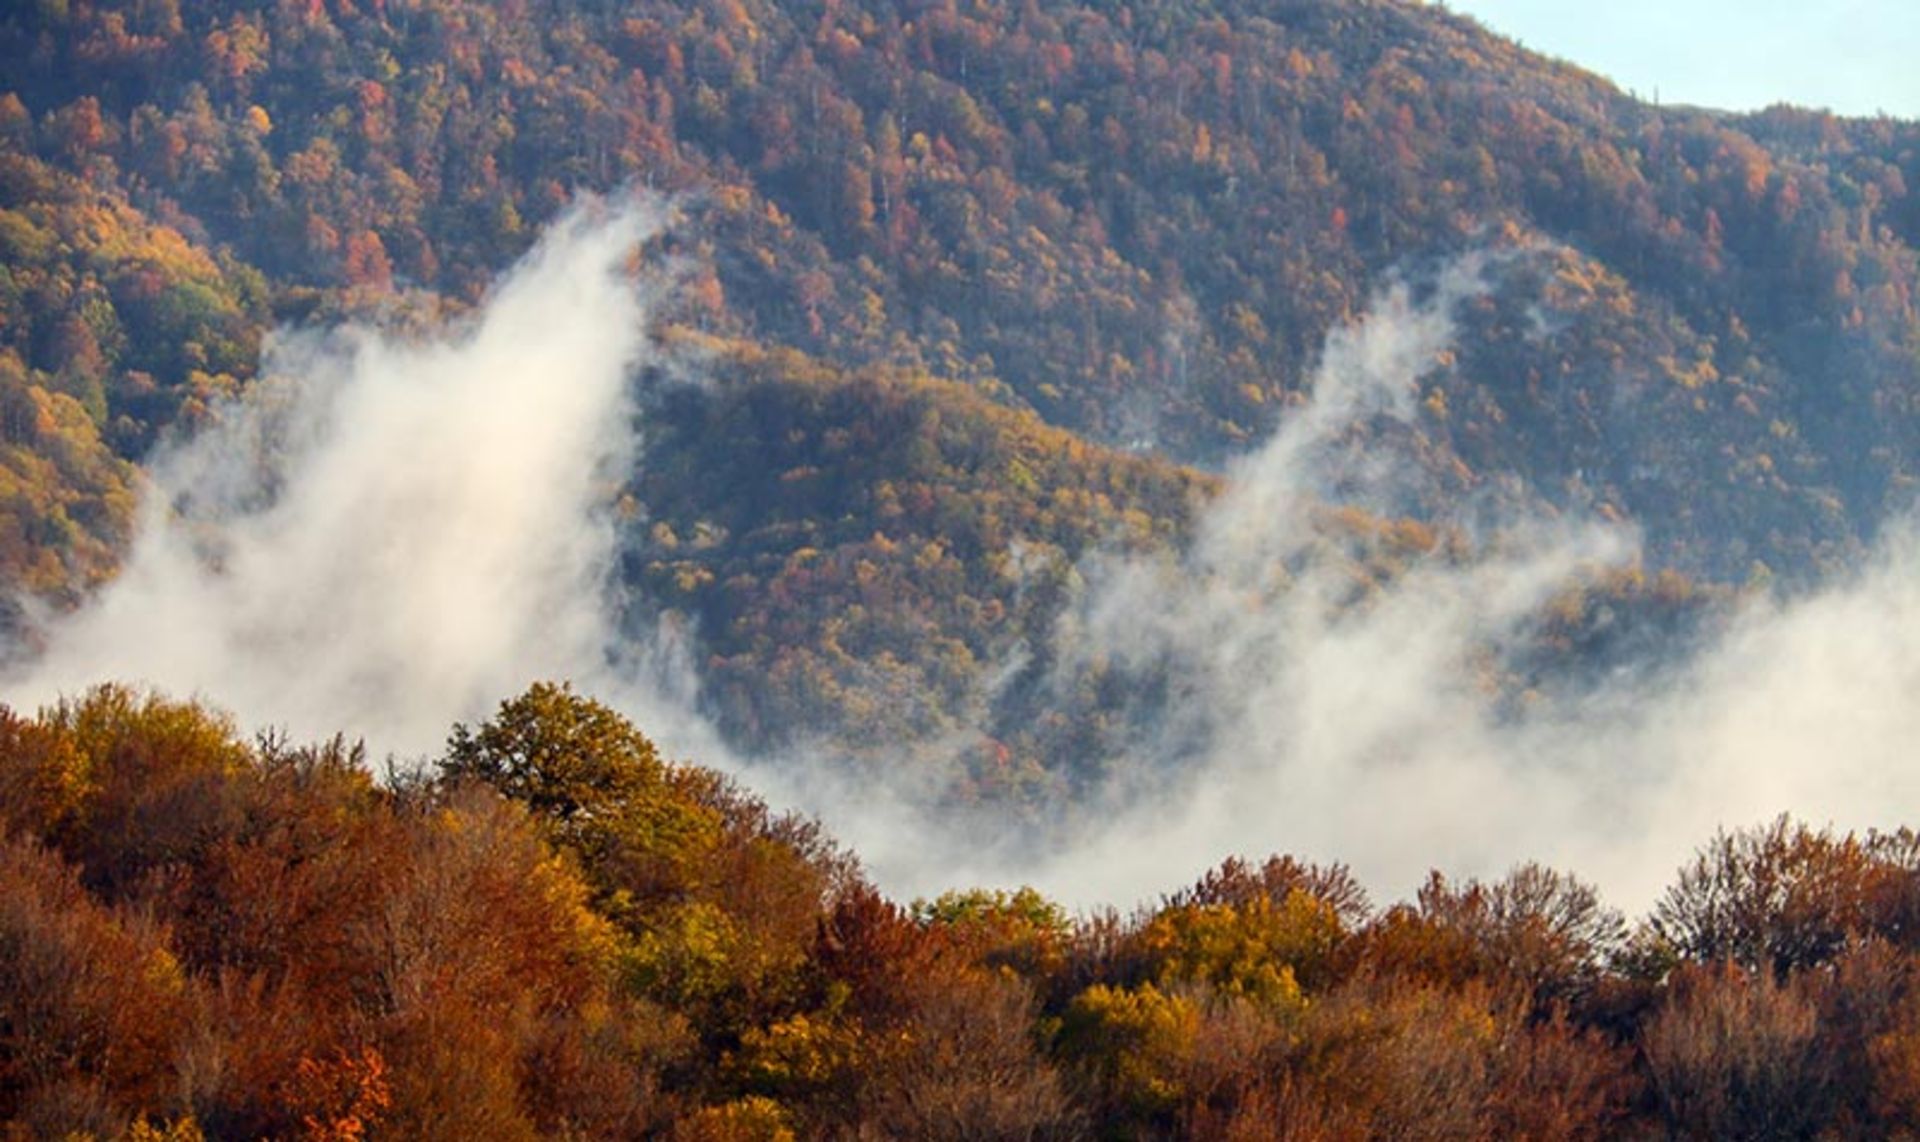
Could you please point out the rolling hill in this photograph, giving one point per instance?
(978, 281)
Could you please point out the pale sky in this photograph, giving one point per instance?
(1854, 57)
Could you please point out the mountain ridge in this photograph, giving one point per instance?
(1135, 226)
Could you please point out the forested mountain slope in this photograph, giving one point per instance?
(1141, 225)
(1092, 434)
(1132, 224)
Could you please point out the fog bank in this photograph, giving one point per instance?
(389, 535)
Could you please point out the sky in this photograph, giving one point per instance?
(1854, 57)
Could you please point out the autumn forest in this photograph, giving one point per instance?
(562, 566)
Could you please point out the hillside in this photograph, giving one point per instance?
(1055, 443)
(1118, 237)
(1142, 228)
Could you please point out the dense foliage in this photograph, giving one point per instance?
(111, 328)
(1105, 227)
(859, 550)
(1140, 224)
(553, 931)
(979, 289)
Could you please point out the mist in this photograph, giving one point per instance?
(387, 534)
(390, 534)
(1363, 725)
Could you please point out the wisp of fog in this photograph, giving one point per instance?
(387, 535)
(1360, 728)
